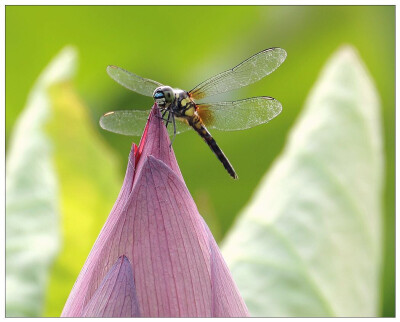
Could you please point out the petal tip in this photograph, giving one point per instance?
(116, 296)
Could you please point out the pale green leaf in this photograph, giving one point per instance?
(32, 202)
(309, 242)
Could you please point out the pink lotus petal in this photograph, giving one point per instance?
(177, 267)
(116, 295)
(226, 299)
(171, 258)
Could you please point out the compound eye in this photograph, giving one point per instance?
(159, 95)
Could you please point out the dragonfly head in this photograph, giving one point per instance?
(164, 96)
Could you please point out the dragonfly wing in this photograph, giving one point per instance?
(239, 115)
(132, 123)
(249, 71)
(133, 82)
(129, 123)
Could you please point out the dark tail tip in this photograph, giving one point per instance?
(234, 175)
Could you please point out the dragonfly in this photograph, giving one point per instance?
(181, 109)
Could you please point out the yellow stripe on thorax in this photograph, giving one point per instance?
(190, 111)
(185, 101)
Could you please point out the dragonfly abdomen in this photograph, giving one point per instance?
(203, 132)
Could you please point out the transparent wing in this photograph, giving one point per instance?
(133, 82)
(132, 123)
(239, 115)
(129, 123)
(246, 73)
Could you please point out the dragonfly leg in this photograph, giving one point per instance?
(167, 121)
(173, 138)
(163, 114)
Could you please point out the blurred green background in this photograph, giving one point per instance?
(182, 46)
